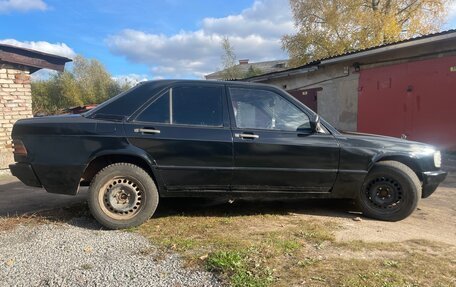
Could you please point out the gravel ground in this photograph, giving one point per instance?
(78, 254)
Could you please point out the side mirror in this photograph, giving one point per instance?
(315, 124)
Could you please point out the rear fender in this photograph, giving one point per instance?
(130, 154)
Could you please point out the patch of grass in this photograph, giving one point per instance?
(276, 249)
(235, 265)
(286, 245)
(315, 232)
(308, 261)
(243, 249)
(391, 263)
(86, 266)
(225, 261)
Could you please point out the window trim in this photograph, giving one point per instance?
(171, 106)
(169, 90)
(233, 117)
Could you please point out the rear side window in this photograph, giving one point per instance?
(192, 105)
(157, 112)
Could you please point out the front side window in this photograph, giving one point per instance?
(261, 109)
(191, 105)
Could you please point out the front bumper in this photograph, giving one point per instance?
(24, 172)
(431, 180)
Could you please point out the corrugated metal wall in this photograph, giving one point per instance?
(417, 99)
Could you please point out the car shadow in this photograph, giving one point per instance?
(18, 200)
(209, 207)
(243, 207)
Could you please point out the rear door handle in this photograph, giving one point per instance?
(147, 131)
(246, 136)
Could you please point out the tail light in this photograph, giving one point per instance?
(19, 148)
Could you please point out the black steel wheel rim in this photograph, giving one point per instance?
(384, 193)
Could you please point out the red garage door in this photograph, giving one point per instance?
(417, 99)
(307, 97)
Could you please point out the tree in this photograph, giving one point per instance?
(252, 72)
(87, 82)
(229, 62)
(332, 27)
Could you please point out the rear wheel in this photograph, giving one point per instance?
(390, 192)
(122, 195)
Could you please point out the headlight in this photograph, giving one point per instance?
(437, 159)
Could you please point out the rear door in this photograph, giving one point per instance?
(185, 130)
(274, 146)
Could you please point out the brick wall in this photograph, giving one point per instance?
(15, 103)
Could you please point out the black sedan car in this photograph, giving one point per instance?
(179, 138)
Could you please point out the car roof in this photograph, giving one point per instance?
(203, 82)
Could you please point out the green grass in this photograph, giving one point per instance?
(239, 269)
(275, 249)
(262, 247)
(86, 266)
(271, 248)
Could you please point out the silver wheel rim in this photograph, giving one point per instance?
(122, 197)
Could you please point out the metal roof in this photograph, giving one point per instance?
(33, 59)
(313, 65)
(266, 67)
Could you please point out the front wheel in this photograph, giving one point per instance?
(122, 195)
(390, 192)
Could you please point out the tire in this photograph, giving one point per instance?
(390, 192)
(122, 195)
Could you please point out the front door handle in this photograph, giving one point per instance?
(147, 131)
(246, 136)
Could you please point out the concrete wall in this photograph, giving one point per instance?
(337, 101)
(15, 103)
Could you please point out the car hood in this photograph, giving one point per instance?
(387, 143)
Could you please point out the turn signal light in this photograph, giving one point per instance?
(438, 159)
(19, 148)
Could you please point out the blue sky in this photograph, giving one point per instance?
(152, 39)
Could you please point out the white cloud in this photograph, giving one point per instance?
(22, 5)
(60, 49)
(452, 10)
(43, 75)
(255, 34)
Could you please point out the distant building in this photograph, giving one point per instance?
(402, 88)
(244, 66)
(16, 65)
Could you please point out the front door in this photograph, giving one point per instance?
(274, 146)
(186, 132)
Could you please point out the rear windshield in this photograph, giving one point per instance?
(125, 104)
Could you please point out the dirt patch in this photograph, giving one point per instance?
(434, 220)
(53, 216)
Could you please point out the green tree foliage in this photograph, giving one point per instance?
(332, 27)
(87, 82)
(229, 62)
(252, 72)
(230, 67)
